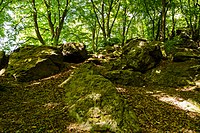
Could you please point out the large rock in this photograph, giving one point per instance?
(182, 49)
(34, 62)
(74, 52)
(95, 105)
(141, 55)
(186, 54)
(3, 62)
(125, 77)
(3, 59)
(174, 74)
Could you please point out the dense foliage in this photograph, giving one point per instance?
(96, 23)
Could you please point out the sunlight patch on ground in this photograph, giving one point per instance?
(2, 71)
(50, 105)
(75, 127)
(187, 105)
(36, 83)
(65, 82)
(190, 88)
(121, 90)
(53, 76)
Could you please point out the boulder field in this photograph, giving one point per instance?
(137, 63)
(94, 101)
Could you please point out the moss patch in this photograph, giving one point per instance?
(32, 62)
(95, 104)
(125, 77)
(173, 74)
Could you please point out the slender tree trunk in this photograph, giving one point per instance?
(124, 26)
(152, 19)
(51, 25)
(36, 23)
(163, 21)
(190, 20)
(188, 25)
(115, 17)
(108, 19)
(61, 22)
(158, 29)
(93, 37)
(103, 22)
(173, 19)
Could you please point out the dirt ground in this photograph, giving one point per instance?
(39, 106)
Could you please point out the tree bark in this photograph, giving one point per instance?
(173, 19)
(61, 22)
(163, 21)
(36, 23)
(51, 25)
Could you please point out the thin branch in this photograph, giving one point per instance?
(94, 7)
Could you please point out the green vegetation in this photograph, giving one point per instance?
(99, 66)
(95, 23)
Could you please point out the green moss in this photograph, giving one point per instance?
(33, 62)
(93, 101)
(125, 77)
(141, 56)
(173, 74)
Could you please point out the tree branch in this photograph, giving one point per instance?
(36, 23)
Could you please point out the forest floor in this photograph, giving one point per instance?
(40, 106)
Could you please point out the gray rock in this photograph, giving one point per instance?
(74, 52)
(141, 55)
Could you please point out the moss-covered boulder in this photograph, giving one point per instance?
(95, 105)
(186, 54)
(174, 74)
(34, 62)
(141, 55)
(74, 52)
(125, 77)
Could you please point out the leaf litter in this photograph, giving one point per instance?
(39, 106)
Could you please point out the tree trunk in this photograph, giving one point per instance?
(158, 29)
(173, 19)
(93, 37)
(61, 22)
(163, 21)
(36, 23)
(124, 26)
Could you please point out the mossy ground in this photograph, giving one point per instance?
(40, 106)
